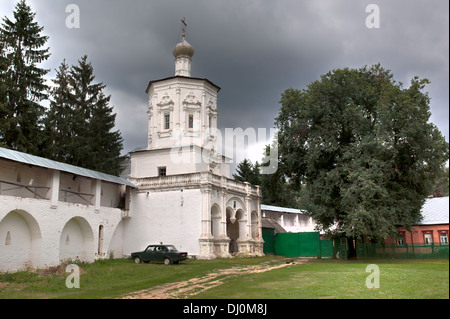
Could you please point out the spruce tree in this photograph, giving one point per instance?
(105, 143)
(58, 121)
(80, 121)
(246, 171)
(22, 81)
(3, 100)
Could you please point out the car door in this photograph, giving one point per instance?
(159, 253)
(148, 253)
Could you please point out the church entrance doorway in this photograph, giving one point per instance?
(233, 228)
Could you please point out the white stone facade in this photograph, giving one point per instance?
(183, 193)
(178, 191)
(205, 214)
(48, 216)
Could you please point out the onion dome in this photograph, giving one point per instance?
(183, 48)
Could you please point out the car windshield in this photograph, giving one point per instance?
(171, 248)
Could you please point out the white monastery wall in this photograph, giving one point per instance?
(36, 235)
(292, 222)
(48, 216)
(171, 216)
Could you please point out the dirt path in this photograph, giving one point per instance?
(185, 289)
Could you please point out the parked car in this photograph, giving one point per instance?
(165, 253)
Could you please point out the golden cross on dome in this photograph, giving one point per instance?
(184, 26)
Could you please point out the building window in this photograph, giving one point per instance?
(191, 121)
(401, 240)
(428, 238)
(161, 171)
(444, 238)
(166, 121)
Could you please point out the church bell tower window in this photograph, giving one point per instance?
(167, 121)
(191, 121)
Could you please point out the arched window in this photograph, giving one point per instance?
(8, 238)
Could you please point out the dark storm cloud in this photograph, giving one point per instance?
(253, 50)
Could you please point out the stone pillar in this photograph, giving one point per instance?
(248, 225)
(150, 124)
(206, 213)
(206, 239)
(54, 189)
(259, 242)
(203, 120)
(97, 189)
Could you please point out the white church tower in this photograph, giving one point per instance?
(182, 121)
(184, 195)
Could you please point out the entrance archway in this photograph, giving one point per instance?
(233, 228)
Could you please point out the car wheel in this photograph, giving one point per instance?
(137, 260)
(166, 261)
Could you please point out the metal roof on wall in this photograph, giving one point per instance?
(434, 211)
(282, 209)
(63, 167)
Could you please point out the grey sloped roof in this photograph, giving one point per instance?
(63, 167)
(267, 222)
(435, 211)
(282, 209)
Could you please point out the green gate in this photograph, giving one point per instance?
(326, 248)
(341, 247)
(268, 235)
(307, 244)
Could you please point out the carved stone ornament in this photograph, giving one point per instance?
(165, 101)
(211, 104)
(191, 99)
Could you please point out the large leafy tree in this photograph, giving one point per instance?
(80, 121)
(22, 80)
(441, 186)
(363, 149)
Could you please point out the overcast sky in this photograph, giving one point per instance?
(253, 50)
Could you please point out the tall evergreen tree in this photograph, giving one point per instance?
(58, 121)
(81, 121)
(246, 171)
(22, 81)
(3, 100)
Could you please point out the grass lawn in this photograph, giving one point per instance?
(318, 278)
(338, 279)
(109, 278)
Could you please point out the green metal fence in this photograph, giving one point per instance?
(326, 248)
(307, 244)
(419, 251)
